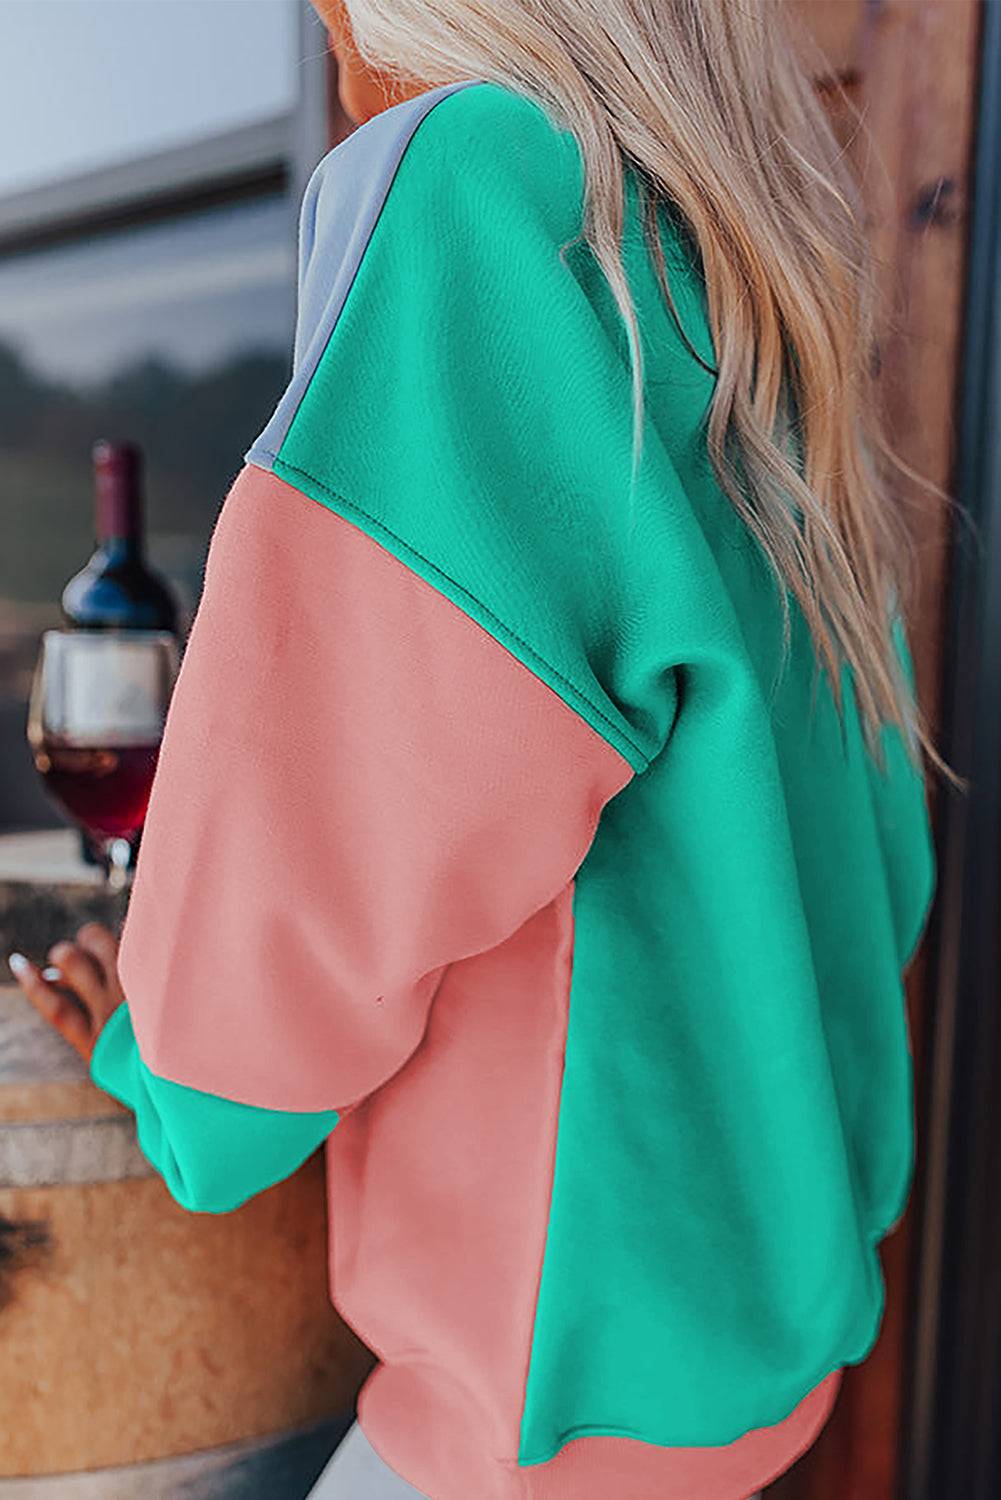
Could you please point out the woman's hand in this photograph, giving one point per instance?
(88, 969)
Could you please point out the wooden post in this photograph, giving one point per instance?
(911, 66)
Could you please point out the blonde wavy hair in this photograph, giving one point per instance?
(712, 103)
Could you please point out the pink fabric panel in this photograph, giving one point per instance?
(439, 1187)
(357, 786)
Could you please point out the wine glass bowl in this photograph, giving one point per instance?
(96, 713)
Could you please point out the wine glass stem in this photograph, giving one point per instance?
(119, 852)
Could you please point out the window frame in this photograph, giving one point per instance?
(273, 154)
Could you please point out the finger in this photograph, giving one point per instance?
(59, 1010)
(82, 973)
(101, 943)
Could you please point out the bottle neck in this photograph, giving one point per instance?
(118, 494)
(120, 549)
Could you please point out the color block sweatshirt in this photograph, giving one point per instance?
(489, 848)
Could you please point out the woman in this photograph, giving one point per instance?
(540, 818)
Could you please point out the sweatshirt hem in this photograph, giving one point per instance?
(590, 1467)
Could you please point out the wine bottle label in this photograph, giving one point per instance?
(115, 691)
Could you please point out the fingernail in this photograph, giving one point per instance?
(18, 963)
(52, 972)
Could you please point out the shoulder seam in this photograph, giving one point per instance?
(360, 226)
(572, 695)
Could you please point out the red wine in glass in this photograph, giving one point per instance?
(95, 721)
(105, 790)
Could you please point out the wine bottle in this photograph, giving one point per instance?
(116, 589)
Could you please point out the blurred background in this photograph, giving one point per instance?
(153, 159)
(154, 155)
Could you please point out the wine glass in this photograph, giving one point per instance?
(95, 721)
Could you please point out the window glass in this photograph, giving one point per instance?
(100, 82)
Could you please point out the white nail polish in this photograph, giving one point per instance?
(52, 972)
(18, 963)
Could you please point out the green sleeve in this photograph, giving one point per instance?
(212, 1153)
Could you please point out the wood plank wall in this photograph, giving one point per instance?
(910, 66)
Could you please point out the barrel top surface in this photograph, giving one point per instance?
(48, 890)
(47, 856)
(41, 1077)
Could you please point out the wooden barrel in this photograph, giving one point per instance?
(144, 1350)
